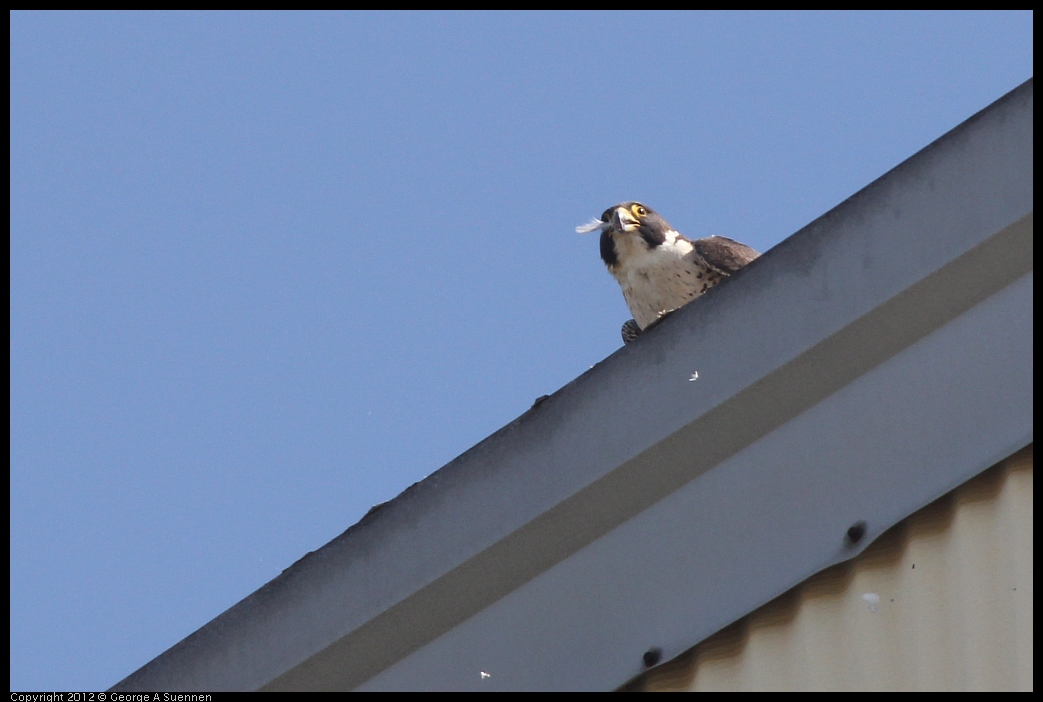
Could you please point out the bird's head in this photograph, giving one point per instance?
(627, 220)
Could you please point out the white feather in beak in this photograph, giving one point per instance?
(593, 225)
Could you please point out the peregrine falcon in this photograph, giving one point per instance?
(658, 269)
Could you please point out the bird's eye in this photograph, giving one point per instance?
(639, 210)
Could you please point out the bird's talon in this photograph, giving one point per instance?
(630, 331)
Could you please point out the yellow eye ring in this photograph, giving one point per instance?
(639, 210)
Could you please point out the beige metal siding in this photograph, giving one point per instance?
(942, 601)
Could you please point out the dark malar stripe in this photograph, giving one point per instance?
(652, 237)
(608, 250)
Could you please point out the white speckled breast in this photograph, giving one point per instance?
(660, 279)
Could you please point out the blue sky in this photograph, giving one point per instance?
(268, 270)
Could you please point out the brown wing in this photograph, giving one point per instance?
(722, 253)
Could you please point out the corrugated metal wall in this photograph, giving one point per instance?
(942, 601)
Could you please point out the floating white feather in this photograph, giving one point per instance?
(592, 226)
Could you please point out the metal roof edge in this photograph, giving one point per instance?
(918, 265)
